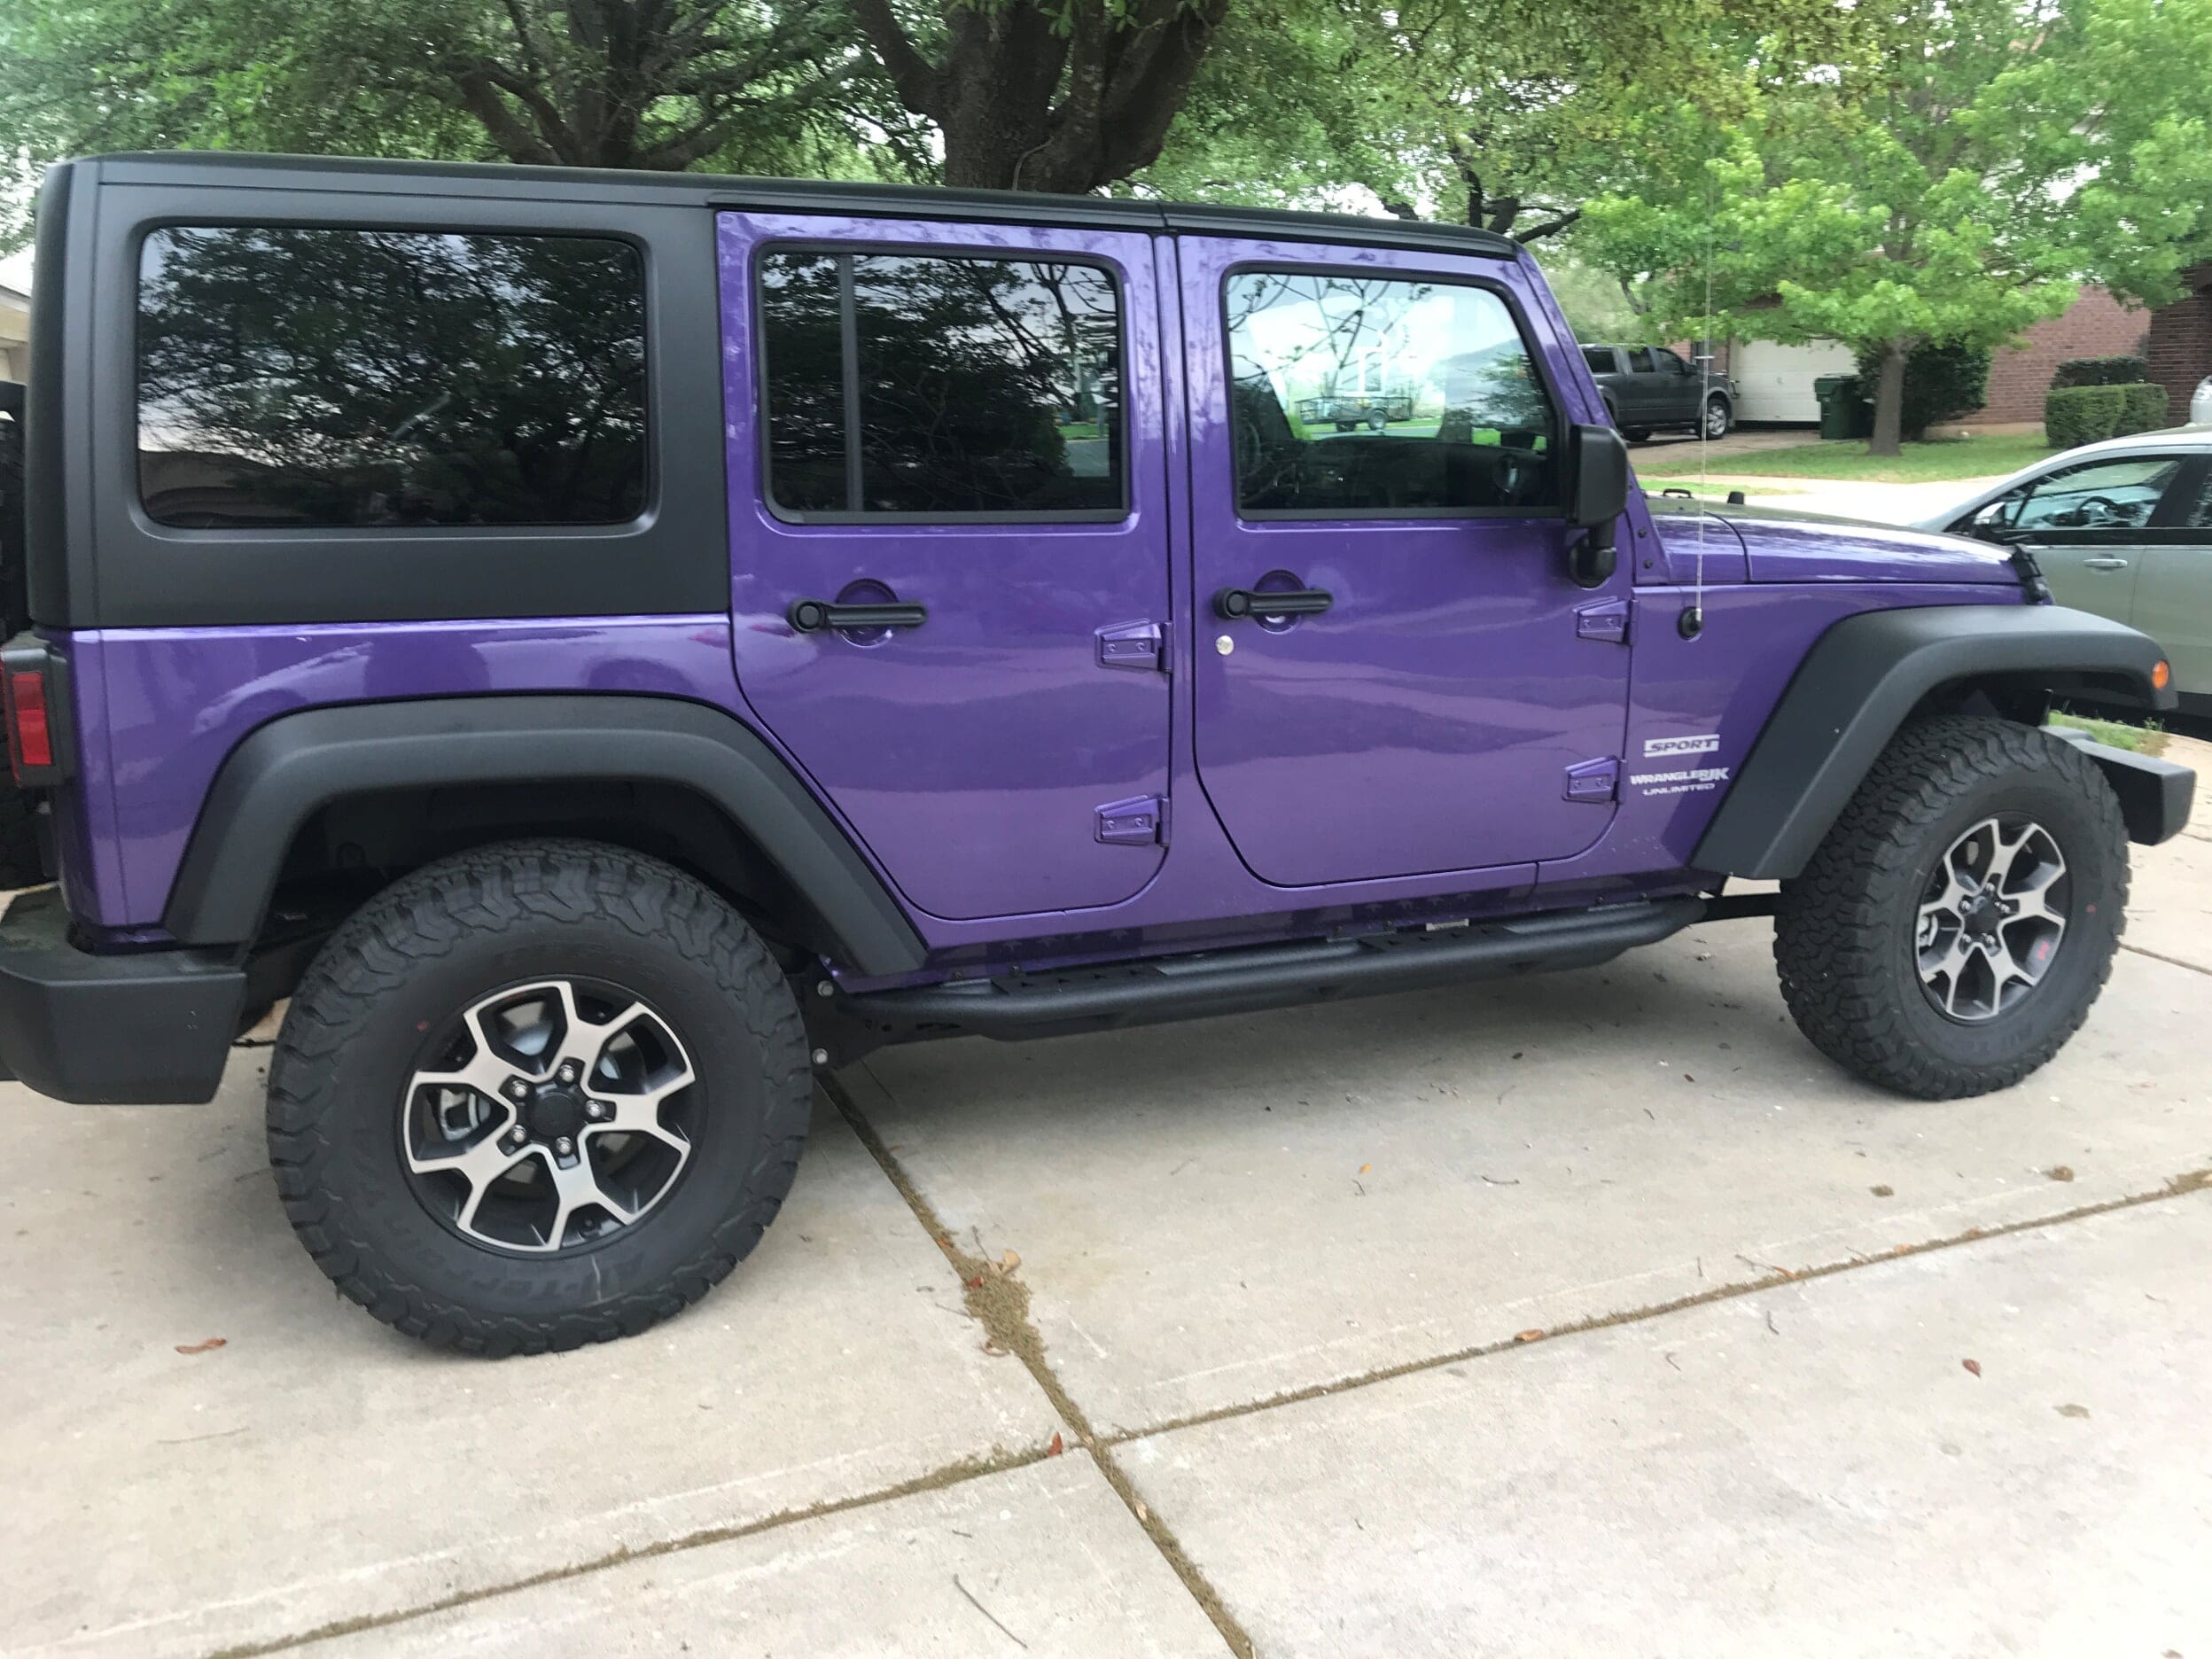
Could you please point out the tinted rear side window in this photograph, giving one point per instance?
(941, 387)
(302, 377)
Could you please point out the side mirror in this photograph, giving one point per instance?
(1597, 496)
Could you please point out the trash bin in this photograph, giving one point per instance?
(1844, 412)
(2201, 405)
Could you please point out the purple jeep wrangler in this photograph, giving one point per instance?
(608, 646)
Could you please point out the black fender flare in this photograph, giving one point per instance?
(1860, 681)
(284, 771)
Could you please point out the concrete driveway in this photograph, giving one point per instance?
(1578, 1315)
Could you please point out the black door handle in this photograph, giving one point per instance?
(1233, 602)
(811, 616)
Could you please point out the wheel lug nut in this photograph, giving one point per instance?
(595, 1110)
(516, 1088)
(563, 1146)
(568, 1071)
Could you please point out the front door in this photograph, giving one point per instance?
(2088, 527)
(948, 545)
(1427, 691)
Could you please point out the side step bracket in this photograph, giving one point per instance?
(1024, 1005)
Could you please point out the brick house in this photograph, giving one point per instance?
(1776, 381)
(2180, 342)
(2095, 325)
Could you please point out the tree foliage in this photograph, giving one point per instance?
(1947, 178)
(1066, 97)
(617, 84)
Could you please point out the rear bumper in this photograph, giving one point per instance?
(2154, 795)
(139, 1029)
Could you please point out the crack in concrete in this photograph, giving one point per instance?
(2187, 1181)
(954, 1474)
(2174, 962)
(998, 1302)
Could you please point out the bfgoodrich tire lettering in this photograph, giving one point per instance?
(439, 942)
(1846, 939)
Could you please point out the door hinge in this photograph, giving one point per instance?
(1139, 822)
(1606, 620)
(1138, 645)
(1593, 780)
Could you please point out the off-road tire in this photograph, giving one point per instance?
(460, 929)
(1844, 942)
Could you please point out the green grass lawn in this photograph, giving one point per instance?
(1920, 463)
(2148, 739)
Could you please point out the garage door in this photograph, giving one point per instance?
(1774, 383)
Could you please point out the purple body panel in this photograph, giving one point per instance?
(1433, 747)
(971, 754)
(1428, 721)
(1700, 704)
(1785, 547)
(178, 700)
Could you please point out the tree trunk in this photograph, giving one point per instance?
(1024, 106)
(1889, 401)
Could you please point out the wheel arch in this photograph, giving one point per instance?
(1870, 674)
(655, 753)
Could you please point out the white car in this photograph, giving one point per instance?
(2123, 528)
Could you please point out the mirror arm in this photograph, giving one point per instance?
(1594, 556)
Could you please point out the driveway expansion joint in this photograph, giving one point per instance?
(2188, 1181)
(954, 1474)
(999, 1301)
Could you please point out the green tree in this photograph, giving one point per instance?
(1946, 180)
(1507, 114)
(614, 83)
(1068, 96)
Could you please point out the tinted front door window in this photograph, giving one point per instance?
(301, 376)
(941, 387)
(1444, 409)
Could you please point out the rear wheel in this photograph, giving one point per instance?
(1954, 928)
(537, 1095)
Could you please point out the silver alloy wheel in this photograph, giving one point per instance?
(552, 1116)
(1716, 417)
(1991, 918)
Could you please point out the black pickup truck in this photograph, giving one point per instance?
(1647, 387)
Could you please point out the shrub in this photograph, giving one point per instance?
(1941, 382)
(2081, 371)
(2084, 414)
(2079, 414)
(2145, 409)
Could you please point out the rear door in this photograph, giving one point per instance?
(1640, 397)
(959, 426)
(1674, 396)
(1433, 693)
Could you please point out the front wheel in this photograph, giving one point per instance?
(537, 1095)
(1953, 929)
(1718, 417)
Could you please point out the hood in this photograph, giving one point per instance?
(1784, 546)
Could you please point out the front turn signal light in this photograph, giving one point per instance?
(2162, 674)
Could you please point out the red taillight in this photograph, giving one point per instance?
(30, 738)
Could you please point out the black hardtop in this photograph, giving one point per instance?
(233, 170)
